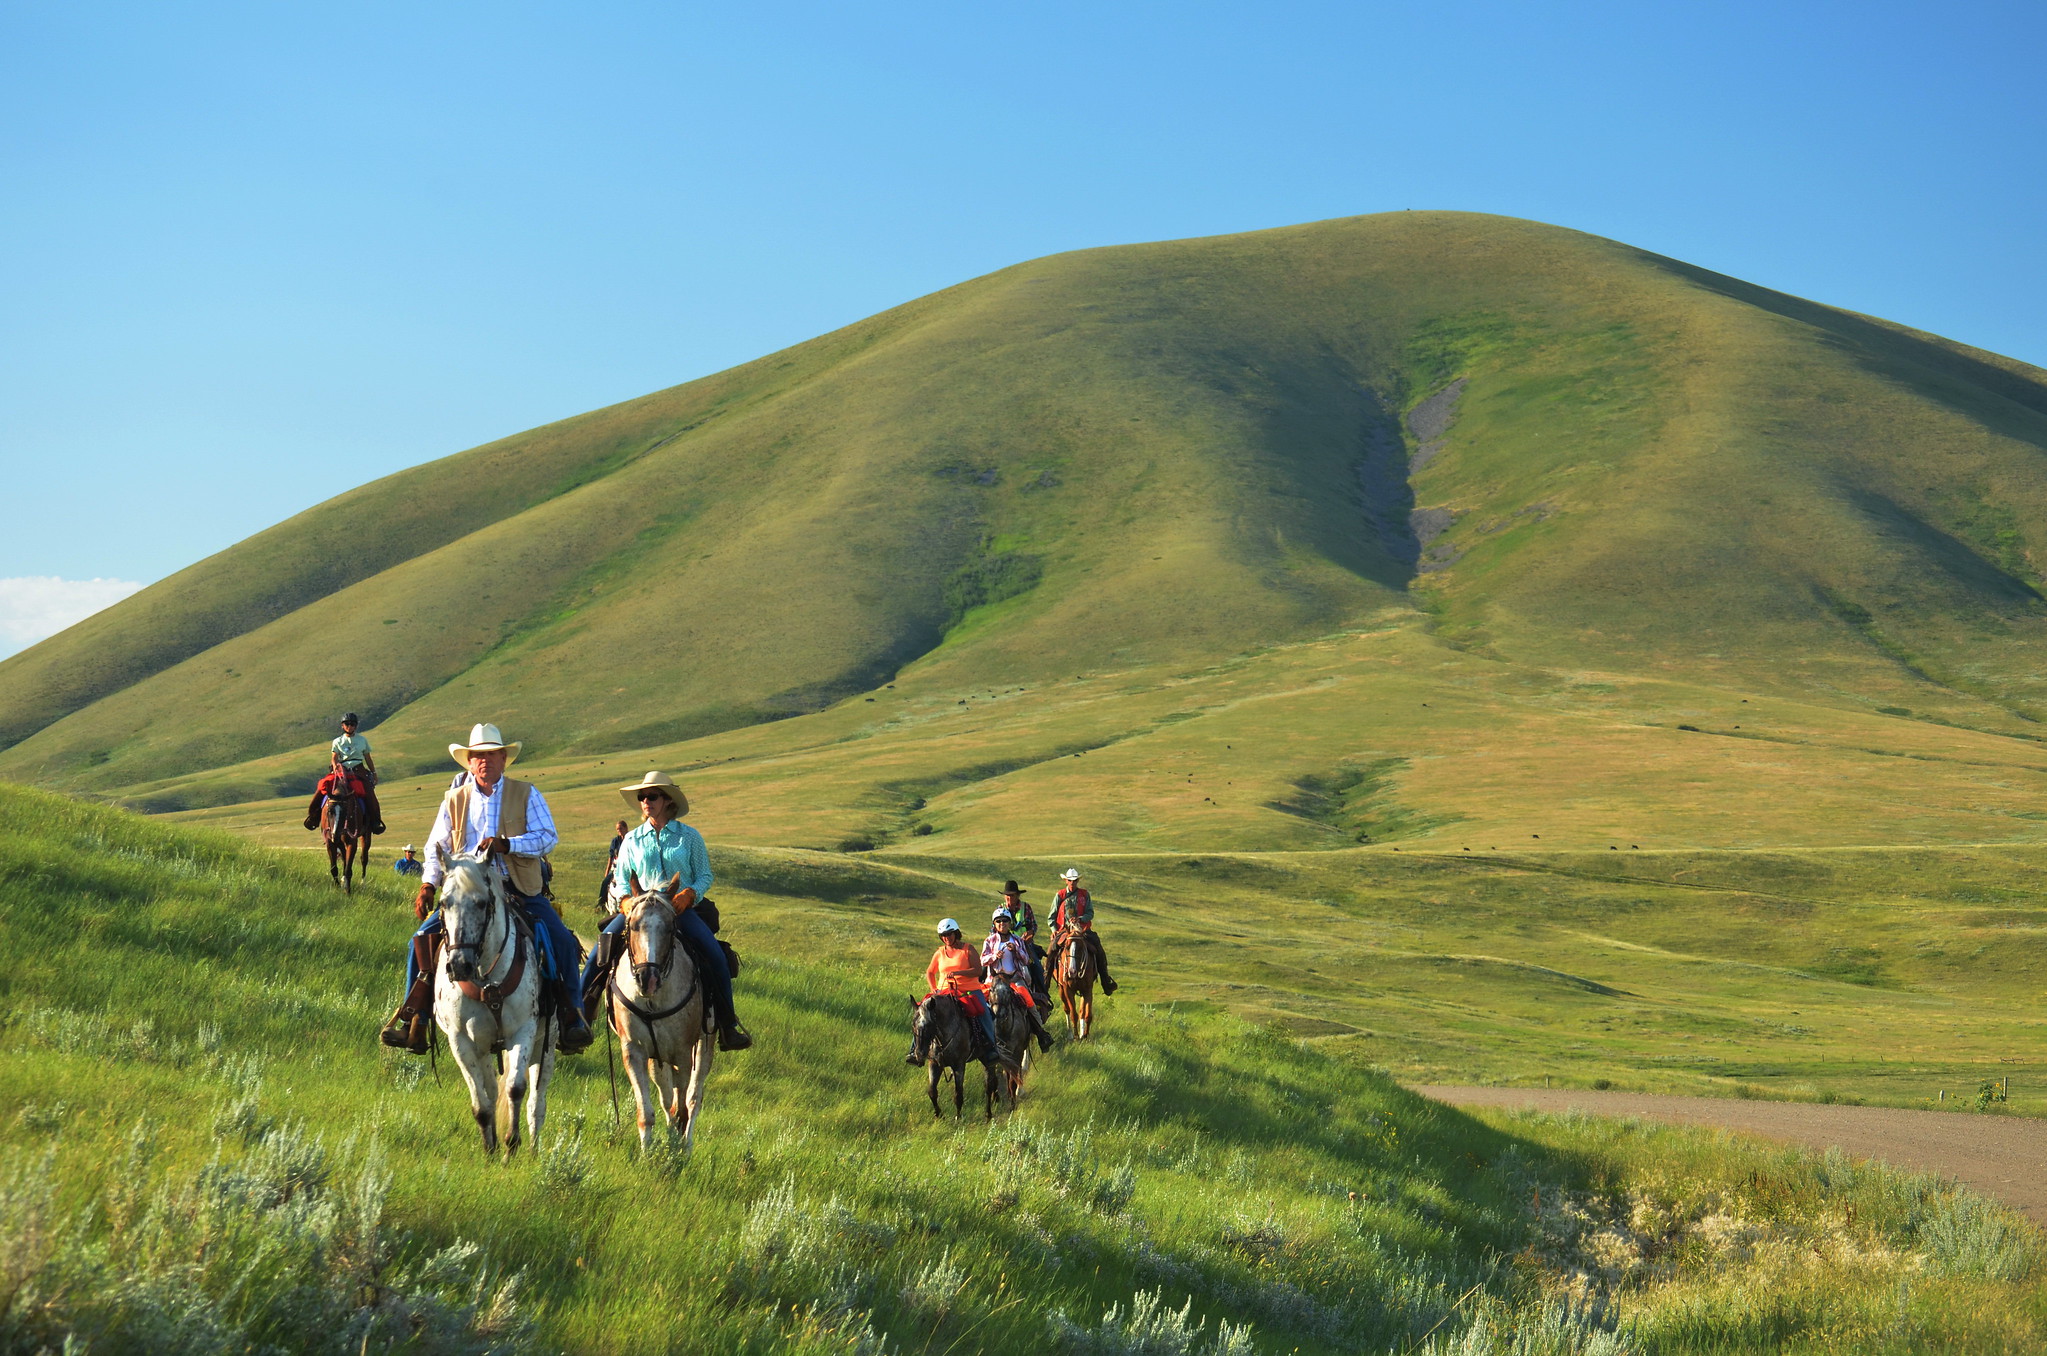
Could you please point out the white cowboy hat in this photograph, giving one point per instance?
(659, 781)
(484, 739)
(1070, 873)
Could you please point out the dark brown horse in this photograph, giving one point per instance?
(1013, 1038)
(346, 830)
(942, 1029)
(1073, 970)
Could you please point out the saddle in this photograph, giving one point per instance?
(611, 945)
(426, 955)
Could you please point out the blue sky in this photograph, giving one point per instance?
(253, 255)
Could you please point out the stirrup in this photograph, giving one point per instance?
(405, 1031)
(574, 1038)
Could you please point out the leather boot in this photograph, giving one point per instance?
(575, 1035)
(313, 815)
(731, 1035)
(1102, 964)
(602, 963)
(1045, 1038)
(407, 1029)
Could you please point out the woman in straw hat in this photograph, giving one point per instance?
(486, 810)
(661, 849)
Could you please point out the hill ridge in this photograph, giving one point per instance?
(1171, 454)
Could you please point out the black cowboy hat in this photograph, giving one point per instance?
(1010, 887)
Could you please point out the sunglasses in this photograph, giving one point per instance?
(653, 795)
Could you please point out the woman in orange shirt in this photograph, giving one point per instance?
(955, 970)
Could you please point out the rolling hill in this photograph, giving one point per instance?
(1370, 530)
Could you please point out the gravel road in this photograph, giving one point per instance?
(2001, 1156)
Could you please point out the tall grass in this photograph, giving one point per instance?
(1187, 1183)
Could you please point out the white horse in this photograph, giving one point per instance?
(662, 1015)
(487, 1000)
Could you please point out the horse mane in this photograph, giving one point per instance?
(466, 877)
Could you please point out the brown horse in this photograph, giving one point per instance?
(346, 830)
(1073, 970)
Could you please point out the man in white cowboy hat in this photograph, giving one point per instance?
(486, 810)
(1073, 910)
(660, 850)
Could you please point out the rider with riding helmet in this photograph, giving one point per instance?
(1073, 911)
(484, 810)
(658, 851)
(956, 972)
(1005, 954)
(351, 752)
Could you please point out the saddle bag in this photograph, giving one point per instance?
(731, 956)
(707, 909)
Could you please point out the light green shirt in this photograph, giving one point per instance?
(656, 857)
(352, 748)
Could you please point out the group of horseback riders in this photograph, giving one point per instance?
(508, 820)
(1009, 966)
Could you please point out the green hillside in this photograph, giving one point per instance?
(1577, 490)
(204, 1150)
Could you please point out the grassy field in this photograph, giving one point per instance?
(1560, 881)
(205, 1149)
(1455, 649)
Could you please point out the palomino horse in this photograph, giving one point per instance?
(1073, 970)
(487, 1000)
(345, 829)
(662, 1016)
(941, 1027)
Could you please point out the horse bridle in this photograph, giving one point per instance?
(613, 994)
(498, 908)
(632, 930)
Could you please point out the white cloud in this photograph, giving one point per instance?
(39, 606)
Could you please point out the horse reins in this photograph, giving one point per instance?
(491, 993)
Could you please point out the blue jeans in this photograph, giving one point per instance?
(558, 947)
(704, 947)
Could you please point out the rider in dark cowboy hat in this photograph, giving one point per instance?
(1026, 930)
(651, 856)
(487, 810)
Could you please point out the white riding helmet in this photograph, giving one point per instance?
(1001, 914)
(946, 925)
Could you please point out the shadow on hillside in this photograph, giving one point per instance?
(1923, 364)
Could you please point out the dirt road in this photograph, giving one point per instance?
(2001, 1156)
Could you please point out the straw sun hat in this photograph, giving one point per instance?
(484, 739)
(659, 781)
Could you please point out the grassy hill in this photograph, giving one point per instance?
(1288, 485)
(205, 1150)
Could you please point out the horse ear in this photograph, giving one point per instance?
(674, 886)
(632, 878)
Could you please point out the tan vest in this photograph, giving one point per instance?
(524, 870)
